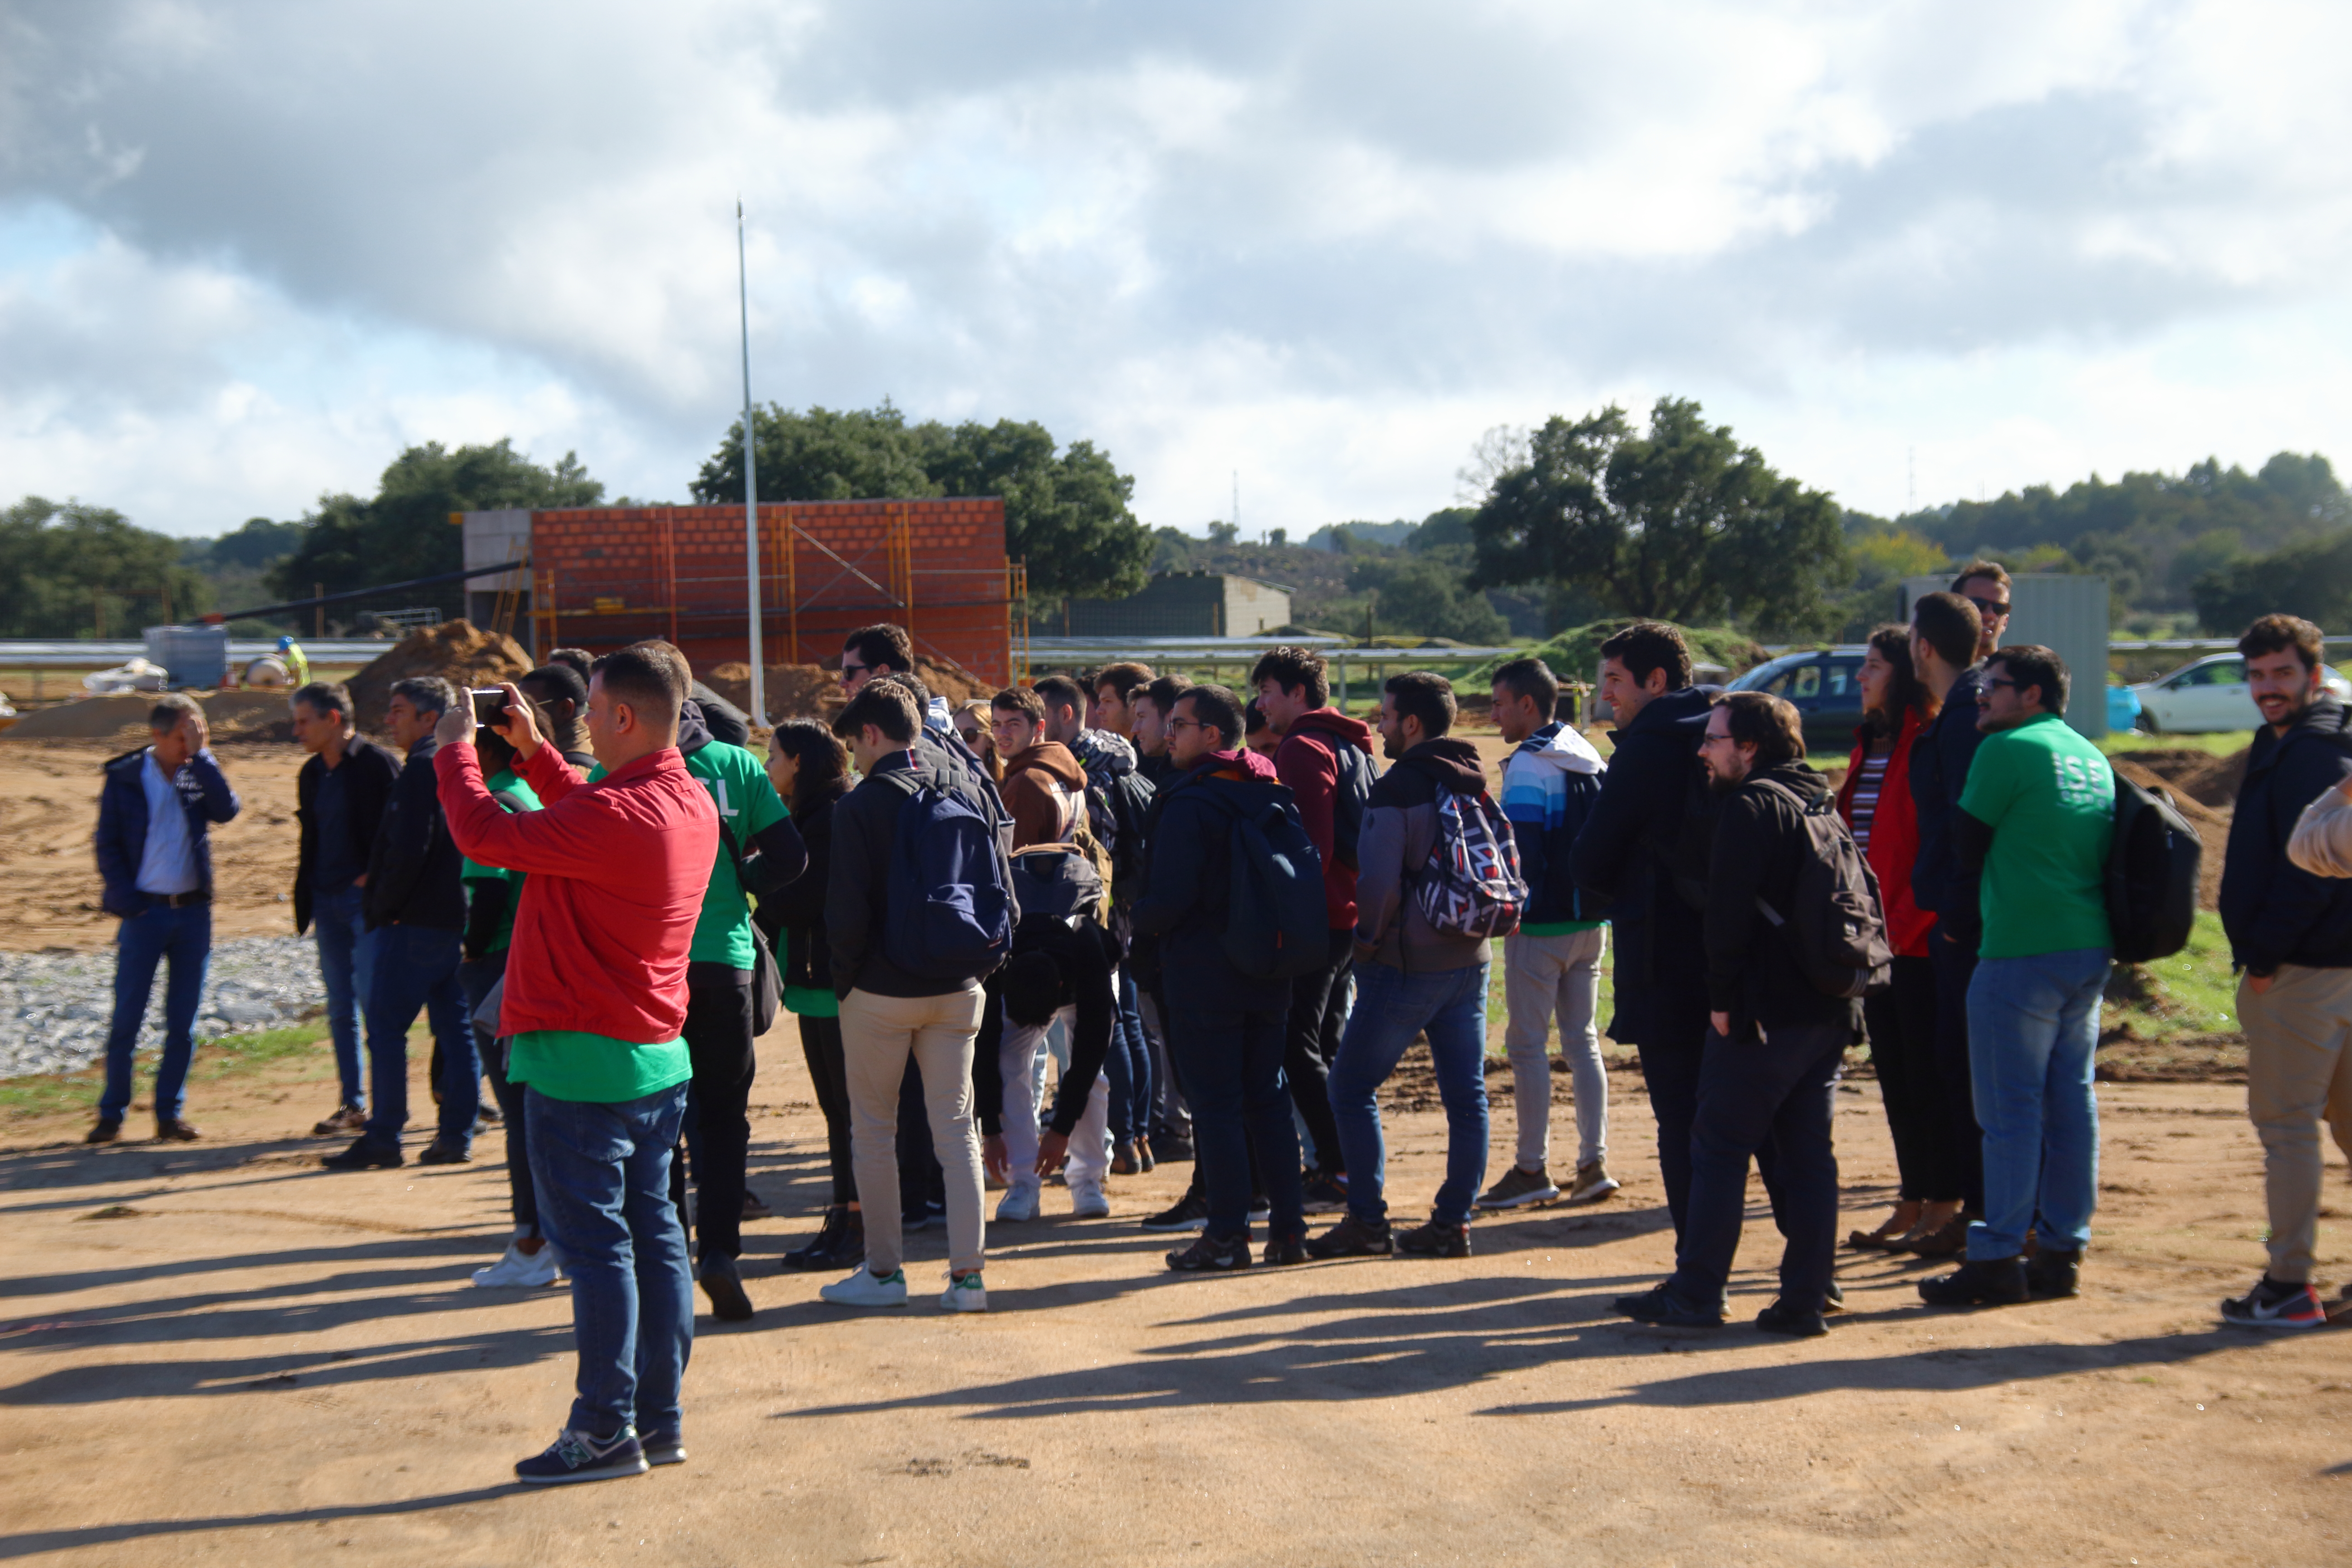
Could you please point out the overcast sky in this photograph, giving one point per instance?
(249, 251)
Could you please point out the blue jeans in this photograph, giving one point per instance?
(1391, 1008)
(1128, 1065)
(417, 971)
(184, 935)
(603, 1176)
(1763, 1100)
(2033, 1027)
(1231, 1062)
(347, 964)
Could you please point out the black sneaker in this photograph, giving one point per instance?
(1779, 1318)
(2272, 1305)
(1211, 1255)
(1259, 1206)
(2054, 1276)
(1661, 1307)
(663, 1447)
(723, 1283)
(1324, 1193)
(1353, 1237)
(1189, 1212)
(1994, 1283)
(1438, 1238)
(363, 1155)
(108, 1130)
(577, 1456)
(440, 1153)
(1281, 1250)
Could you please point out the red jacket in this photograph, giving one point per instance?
(1894, 838)
(617, 871)
(1306, 761)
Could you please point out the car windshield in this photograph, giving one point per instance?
(1773, 676)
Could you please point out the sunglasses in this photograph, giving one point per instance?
(848, 669)
(2001, 680)
(1992, 609)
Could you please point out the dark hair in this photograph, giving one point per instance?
(325, 697)
(1904, 691)
(1646, 645)
(1766, 723)
(2031, 664)
(1162, 694)
(1980, 568)
(1019, 700)
(2276, 634)
(1122, 679)
(580, 662)
(1061, 692)
(652, 678)
(882, 643)
(886, 705)
(498, 753)
(908, 681)
(821, 761)
(1291, 668)
(1216, 706)
(1529, 678)
(559, 683)
(1951, 625)
(1252, 718)
(171, 708)
(1032, 988)
(1428, 697)
(426, 692)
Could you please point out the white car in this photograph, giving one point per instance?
(2211, 695)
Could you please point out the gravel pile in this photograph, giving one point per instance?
(54, 1006)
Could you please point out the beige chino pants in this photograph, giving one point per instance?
(877, 1035)
(2298, 1073)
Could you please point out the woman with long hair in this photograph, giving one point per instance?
(810, 768)
(1876, 802)
(973, 721)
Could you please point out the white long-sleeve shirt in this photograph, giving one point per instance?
(2322, 841)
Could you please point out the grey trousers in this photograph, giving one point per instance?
(1544, 975)
(877, 1035)
(2298, 1074)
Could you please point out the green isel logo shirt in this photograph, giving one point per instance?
(748, 805)
(2049, 798)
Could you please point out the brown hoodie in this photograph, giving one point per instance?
(1044, 789)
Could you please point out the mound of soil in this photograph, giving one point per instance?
(121, 717)
(2212, 821)
(2200, 776)
(813, 692)
(454, 650)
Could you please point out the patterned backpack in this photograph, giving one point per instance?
(1471, 885)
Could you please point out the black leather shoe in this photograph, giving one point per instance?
(105, 1132)
(440, 1153)
(1781, 1318)
(1353, 1238)
(363, 1155)
(1437, 1238)
(2052, 1275)
(723, 1283)
(1993, 1282)
(1668, 1311)
(1281, 1250)
(176, 1130)
(821, 1250)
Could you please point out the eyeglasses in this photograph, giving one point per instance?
(1187, 724)
(1992, 609)
(2000, 680)
(848, 669)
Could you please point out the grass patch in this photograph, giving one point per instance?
(2194, 991)
(226, 1057)
(2221, 744)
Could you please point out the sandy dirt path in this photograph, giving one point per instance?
(264, 1364)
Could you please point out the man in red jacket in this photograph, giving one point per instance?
(594, 1007)
(1326, 758)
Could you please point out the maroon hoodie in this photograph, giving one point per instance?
(1307, 760)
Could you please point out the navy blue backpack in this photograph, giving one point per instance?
(1276, 927)
(950, 914)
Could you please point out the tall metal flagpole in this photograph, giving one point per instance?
(750, 483)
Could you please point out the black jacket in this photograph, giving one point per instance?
(2273, 912)
(1188, 888)
(1084, 953)
(1622, 857)
(792, 913)
(412, 875)
(368, 786)
(1759, 843)
(1939, 771)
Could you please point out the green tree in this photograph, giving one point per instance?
(1426, 597)
(1677, 523)
(2312, 579)
(65, 565)
(1066, 511)
(403, 531)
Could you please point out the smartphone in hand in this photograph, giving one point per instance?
(489, 706)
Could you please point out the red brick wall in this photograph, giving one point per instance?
(624, 573)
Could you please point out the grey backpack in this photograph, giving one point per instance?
(1837, 926)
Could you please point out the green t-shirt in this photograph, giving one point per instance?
(596, 1069)
(474, 870)
(2049, 798)
(811, 1001)
(748, 805)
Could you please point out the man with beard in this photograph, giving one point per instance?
(1774, 1041)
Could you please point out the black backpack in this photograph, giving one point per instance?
(1348, 800)
(1838, 926)
(2151, 875)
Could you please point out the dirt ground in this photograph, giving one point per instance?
(222, 1353)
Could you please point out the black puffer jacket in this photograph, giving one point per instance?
(791, 915)
(2273, 912)
(1759, 844)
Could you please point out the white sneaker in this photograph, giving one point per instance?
(863, 1289)
(1087, 1201)
(965, 1295)
(517, 1267)
(1018, 1204)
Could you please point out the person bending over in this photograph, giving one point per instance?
(1060, 969)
